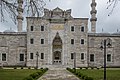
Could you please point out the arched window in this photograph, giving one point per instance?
(42, 55)
(72, 28)
(82, 56)
(31, 28)
(92, 57)
(42, 28)
(31, 41)
(109, 57)
(82, 29)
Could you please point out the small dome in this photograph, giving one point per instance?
(9, 31)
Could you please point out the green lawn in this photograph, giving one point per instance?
(98, 74)
(15, 74)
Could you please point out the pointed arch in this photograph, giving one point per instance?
(57, 41)
(57, 49)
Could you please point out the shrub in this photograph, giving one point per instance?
(29, 67)
(41, 68)
(88, 78)
(98, 68)
(39, 72)
(85, 77)
(82, 76)
(86, 67)
(46, 69)
(35, 68)
(80, 68)
(15, 67)
(76, 73)
(79, 74)
(28, 78)
(34, 75)
(92, 68)
(67, 68)
(21, 67)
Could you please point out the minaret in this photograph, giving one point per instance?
(20, 17)
(93, 16)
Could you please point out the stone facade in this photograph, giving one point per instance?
(94, 44)
(53, 24)
(57, 39)
(12, 44)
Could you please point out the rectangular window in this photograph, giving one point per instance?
(82, 29)
(42, 41)
(72, 28)
(109, 57)
(82, 41)
(72, 56)
(31, 41)
(82, 56)
(21, 57)
(3, 56)
(32, 28)
(42, 28)
(42, 55)
(31, 55)
(91, 57)
(72, 41)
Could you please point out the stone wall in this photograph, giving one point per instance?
(16, 43)
(53, 24)
(65, 33)
(12, 44)
(77, 48)
(94, 43)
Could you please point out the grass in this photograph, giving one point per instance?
(98, 74)
(15, 74)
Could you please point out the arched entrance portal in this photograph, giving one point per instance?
(57, 49)
(57, 57)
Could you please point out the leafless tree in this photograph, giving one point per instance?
(112, 4)
(30, 7)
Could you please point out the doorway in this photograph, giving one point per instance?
(57, 49)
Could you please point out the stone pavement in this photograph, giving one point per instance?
(60, 74)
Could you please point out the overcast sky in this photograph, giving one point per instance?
(81, 8)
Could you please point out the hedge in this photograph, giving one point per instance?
(36, 75)
(79, 74)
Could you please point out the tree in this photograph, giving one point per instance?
(16, 8)
(113, 4)
(31, 8)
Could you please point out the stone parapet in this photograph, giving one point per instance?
(104, 34)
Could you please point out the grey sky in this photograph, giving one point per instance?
(81, 8)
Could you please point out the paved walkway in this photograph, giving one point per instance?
(58, 75)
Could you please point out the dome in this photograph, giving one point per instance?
(9, 31)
